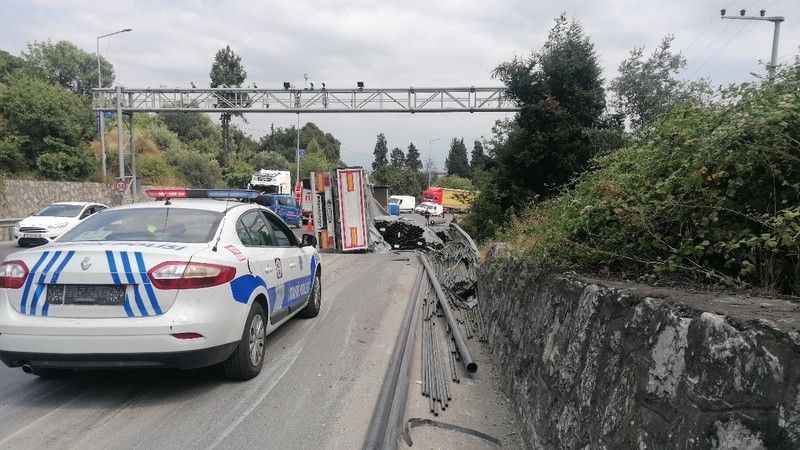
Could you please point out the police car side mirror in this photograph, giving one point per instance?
(308, 240)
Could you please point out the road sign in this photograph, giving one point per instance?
(298, 192)
(120, 186)
(301, 152)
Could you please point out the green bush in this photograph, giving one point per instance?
(66, 165)
(154, 169)
(238, 174)
(270, 161)
(710, 192)
(196, 169)
(12, 158)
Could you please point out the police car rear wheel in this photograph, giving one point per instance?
(315, 302)
(248, 358)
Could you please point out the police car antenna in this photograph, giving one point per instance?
(222, 225)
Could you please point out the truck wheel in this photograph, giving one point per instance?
(246, 361)
(314, 302)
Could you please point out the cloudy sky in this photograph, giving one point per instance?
(390, 44)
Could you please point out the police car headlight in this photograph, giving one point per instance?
(189, 275)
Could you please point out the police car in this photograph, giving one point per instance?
(192, 279)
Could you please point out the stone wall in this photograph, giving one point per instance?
(593, 367)
(21, 198)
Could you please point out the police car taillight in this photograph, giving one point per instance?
(189, 275)
(13, 274)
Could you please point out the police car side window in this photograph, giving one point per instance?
(282, 235)
(253, 230)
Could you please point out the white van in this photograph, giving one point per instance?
(406, 202)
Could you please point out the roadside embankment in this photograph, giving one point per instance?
(590, 366)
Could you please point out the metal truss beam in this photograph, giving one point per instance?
(246, 100)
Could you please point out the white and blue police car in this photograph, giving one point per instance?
(192, 279)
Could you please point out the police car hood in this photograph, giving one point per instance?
(99, 269)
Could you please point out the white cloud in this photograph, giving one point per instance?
(389, 43)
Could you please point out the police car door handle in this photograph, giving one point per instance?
(269, 269)
(292, 265)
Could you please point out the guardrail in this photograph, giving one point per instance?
(7, 228)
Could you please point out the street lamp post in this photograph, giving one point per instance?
(430, 157)
(100, 85)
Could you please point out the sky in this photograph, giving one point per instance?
(391, 44)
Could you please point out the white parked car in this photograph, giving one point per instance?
(53, 221)
(181, 282)
(432, 209)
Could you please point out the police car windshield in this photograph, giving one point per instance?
(181, 225)
(60, 211)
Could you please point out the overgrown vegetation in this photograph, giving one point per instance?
(710, 193)
(47, 127)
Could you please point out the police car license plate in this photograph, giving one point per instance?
(86, 294)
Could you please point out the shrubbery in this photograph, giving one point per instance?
(710, 192)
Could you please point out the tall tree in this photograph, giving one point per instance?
(561, 126)
(381, 151)
(563, 101)
(329, 145)
(456, 162)
(412, 158)
(227, 71)
(478, 157)
(398, 158)
(65, 64)
(313, 147)
(646, 87)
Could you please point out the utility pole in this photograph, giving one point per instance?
(430, 158)
(120, 119)
(100, 85)
(297, 150)
(776, 21)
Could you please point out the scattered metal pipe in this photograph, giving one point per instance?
(461, 345)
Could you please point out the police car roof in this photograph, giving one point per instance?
(191, 203)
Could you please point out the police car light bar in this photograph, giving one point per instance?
(169, 193)
(161, 194)
(232, 193)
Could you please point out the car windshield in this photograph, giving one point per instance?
(286, 201)
(60, 211)
(182, 225)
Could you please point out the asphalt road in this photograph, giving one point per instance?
(317, 390)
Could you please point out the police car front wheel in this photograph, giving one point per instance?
(248, 357)
(314, 302)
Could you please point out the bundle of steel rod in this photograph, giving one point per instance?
(401, 235)
(438, 366)
(472, 322)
